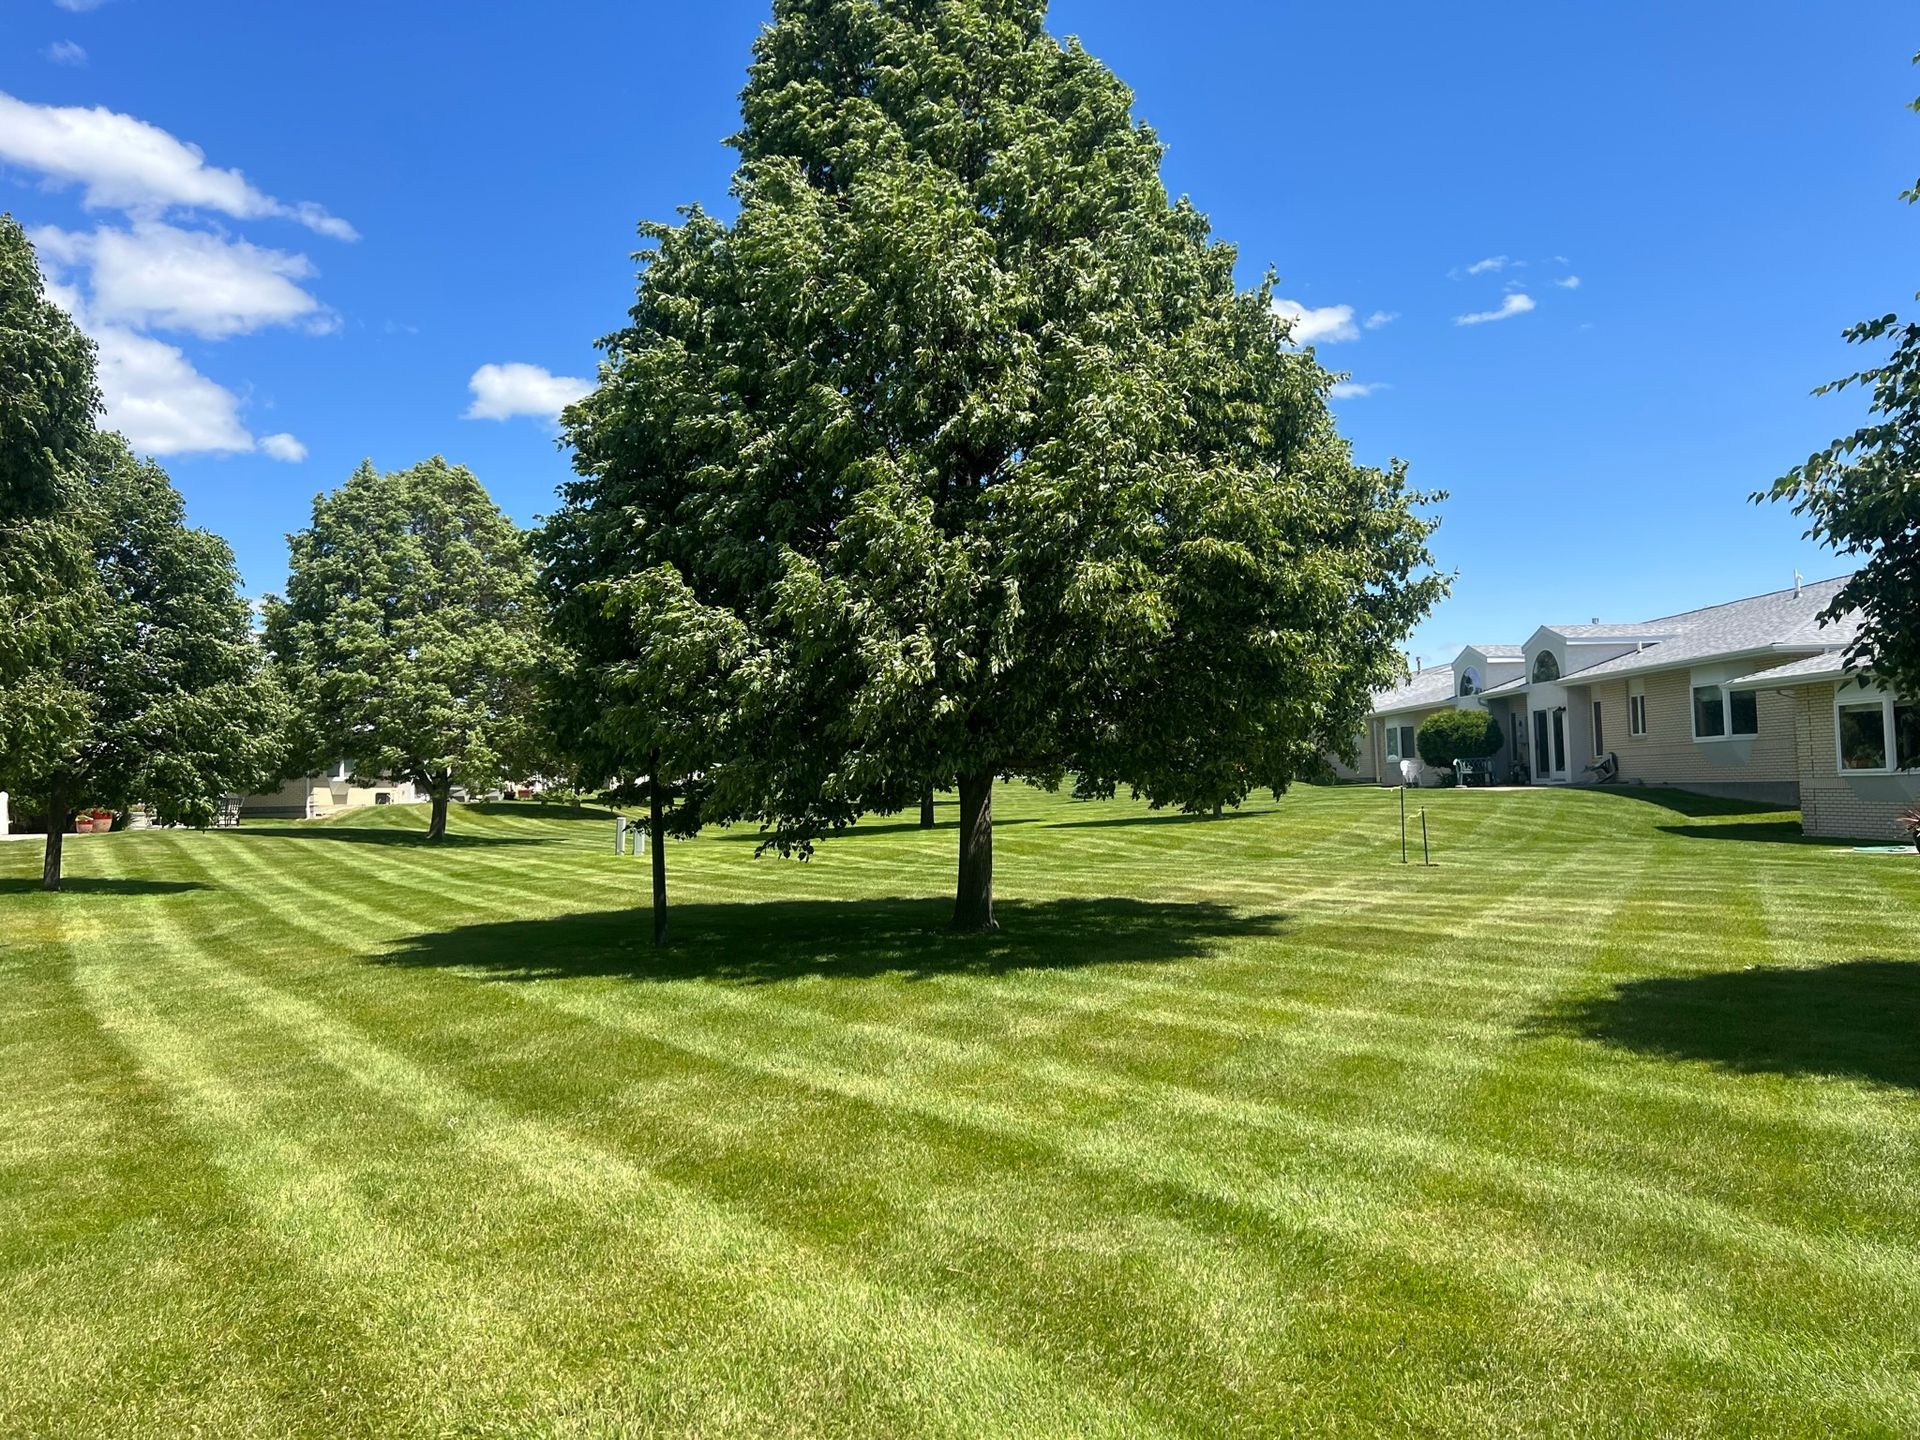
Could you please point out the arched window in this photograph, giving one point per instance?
(1470, 681)
(1545, 668)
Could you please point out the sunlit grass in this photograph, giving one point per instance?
(1604, 1125)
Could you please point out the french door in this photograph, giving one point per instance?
(1550, 745)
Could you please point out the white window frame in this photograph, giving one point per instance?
(1469, 682)
(1860, 697)
(1636, 710)
(1717, 680)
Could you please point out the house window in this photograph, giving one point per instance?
(1709, 713)
(1545, 668)
(1637, 716)
(1470, 681)
(1863, 736)
(1599, 733)
(1719, 713)
(1400, 742)
(1876, 735)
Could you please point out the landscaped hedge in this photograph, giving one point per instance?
(1451, 735)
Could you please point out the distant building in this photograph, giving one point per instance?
(312, 797)
(1748, 700)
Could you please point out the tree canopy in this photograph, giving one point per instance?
(1861, 495)
(959, 454)
(178, 712)
(48, 400)
(408, 633)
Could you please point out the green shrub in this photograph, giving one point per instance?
(1451, 735)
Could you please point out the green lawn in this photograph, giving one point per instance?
(1606, 1125)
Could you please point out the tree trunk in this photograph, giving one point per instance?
(437, 825)
(926, 808)
(657, 832)
(973, 903)
(59, 818)
(1218, 809)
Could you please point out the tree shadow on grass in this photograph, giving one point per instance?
(1686, 802)
(1164, 817)
(764, 943)
(96, 885)
(534, 810)
(1764, 832)
(868, 828)
(1859, 1019)
(375, 835)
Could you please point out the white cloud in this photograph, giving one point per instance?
(1329, 323)
(153, 394)
(160, 402)
(501, 392)
(65, 52)
(1490, 264)
(1513, 305)
(1379, 318)
(1568, 282)
(157, 277)
(1357, 389)
(126, 164)
(79, 7)
(283, 447)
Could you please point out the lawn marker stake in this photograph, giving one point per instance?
(1403, 824)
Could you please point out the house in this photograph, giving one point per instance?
(312, 796)
(1748, 700)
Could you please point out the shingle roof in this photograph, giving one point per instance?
(1501, 652)
(1427, 688)
(1829, 665)
(1653, 630)
(1784, 619)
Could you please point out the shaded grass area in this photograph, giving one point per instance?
(1603, 1126)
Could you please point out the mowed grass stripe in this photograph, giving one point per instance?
(1581, 1236)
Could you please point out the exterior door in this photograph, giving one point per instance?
(1550, 745)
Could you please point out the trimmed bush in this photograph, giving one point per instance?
(1451, 735)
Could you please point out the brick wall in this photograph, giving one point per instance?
(1669, 755)
(1840, 806)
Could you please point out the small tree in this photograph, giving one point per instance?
(407, 636)
(178, 710)
(1861, 496)
(1464, 734)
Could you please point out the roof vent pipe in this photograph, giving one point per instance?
(1797, 578)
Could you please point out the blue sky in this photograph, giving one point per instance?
(388, 198)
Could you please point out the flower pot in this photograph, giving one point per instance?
(83, 824)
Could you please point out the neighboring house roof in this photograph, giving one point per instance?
(1784, 620)
(1655, 630)
(1826, 666)
(1424, 690)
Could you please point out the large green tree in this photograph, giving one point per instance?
(178, 711)
(964, 438)
(1861, 495)
(48, 400)
(408, 633)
